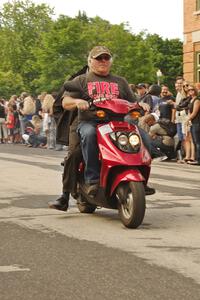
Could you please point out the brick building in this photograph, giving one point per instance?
(191, 48)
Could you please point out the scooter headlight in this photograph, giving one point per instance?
(134, 140)
(128, 142)
(123, 140)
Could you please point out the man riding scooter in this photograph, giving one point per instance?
(98, 84)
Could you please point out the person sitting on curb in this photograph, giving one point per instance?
(162, 144)
(33, 133)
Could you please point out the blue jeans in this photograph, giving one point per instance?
(36, 139)
(180, 131)
(90, 151)
(146, 140)
(160, 149)
(195, 130)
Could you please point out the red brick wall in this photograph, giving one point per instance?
(191, 24)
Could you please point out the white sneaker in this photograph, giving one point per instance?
(161, 158)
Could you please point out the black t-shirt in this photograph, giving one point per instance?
(2, 111)
(196, 119)
(92, 86)
(16, 117)
(166, 108)
(38, 106)
(148, 100)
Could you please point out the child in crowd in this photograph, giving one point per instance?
(3, 127)
(17, 136)
(10, 123)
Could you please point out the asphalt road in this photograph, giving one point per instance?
(47, 254)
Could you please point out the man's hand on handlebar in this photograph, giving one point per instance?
(70, 103)
(82, 104)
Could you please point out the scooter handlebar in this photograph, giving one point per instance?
(71, 86)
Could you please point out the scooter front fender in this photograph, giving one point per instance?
(126, 175)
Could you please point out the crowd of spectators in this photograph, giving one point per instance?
(174, 121)
(29, 121)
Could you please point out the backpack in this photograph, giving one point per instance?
(169, 126)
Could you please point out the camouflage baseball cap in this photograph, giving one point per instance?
(98, 50)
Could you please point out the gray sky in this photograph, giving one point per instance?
(156, 16)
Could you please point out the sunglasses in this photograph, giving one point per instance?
(191, 89)
(103, 57)
(185, 85)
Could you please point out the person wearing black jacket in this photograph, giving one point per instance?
(3, 128)
(66, 126)
(194, 121)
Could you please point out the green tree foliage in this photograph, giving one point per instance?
(69, 42)
(21, 25)
(10, 84)
(168, 57)
(128, 49)
(62, 52)
(41, 52)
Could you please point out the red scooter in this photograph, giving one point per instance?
(125, 164)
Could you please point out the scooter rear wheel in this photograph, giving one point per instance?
(131, 197)
(85, 207)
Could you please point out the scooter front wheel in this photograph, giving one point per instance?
(131, 197)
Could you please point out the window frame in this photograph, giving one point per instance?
(197, 5)
(197, 66)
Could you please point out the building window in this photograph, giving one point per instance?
(198, 5)
(198, 76)
(197, 66)
(198, 60)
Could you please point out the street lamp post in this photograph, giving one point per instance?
(159, 75)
